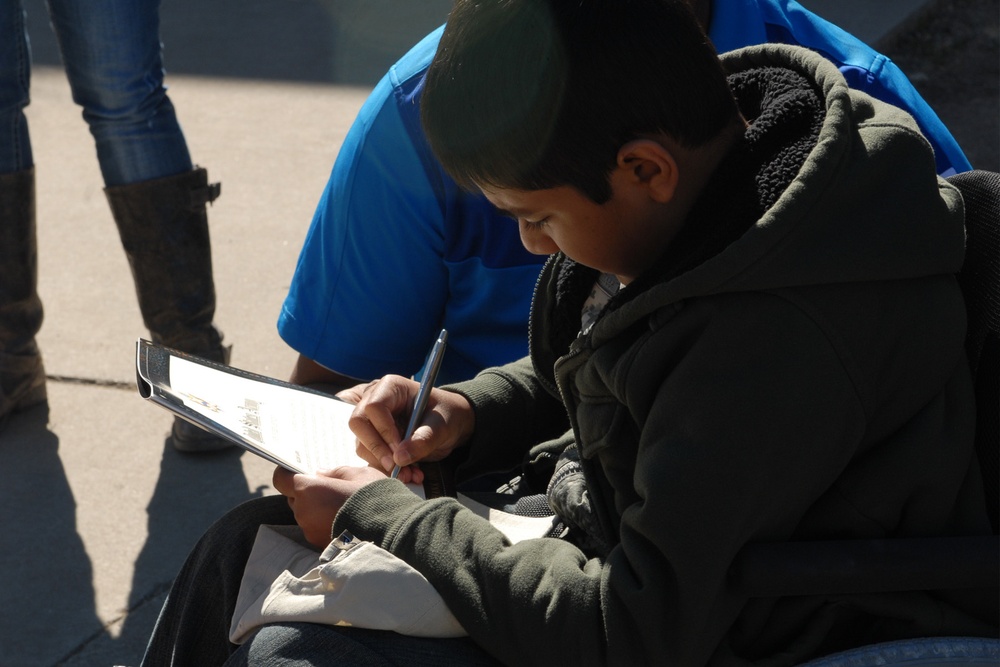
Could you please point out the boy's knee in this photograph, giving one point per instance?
(304, 645)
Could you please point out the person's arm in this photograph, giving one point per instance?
(718, 463)
(447, 423)
(308, 373)
(700, 493)
(495, 417)
(514, 412)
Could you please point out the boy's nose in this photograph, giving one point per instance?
(535, 240)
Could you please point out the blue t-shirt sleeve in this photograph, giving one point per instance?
(370, 286)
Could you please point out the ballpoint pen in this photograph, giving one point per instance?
(431, 369)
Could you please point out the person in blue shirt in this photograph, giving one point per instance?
(396, 250)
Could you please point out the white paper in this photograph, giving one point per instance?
(304, 429)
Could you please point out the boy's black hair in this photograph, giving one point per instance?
(535, 94)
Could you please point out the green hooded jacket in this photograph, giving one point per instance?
(806, 382)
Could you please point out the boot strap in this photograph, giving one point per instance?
(205, 195)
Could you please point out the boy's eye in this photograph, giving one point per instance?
(535, 224)
(530, 224)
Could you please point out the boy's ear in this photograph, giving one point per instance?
(651, 166)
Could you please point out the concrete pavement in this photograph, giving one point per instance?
(96, 513)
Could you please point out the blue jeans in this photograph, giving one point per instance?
(112, 54)
(307, 645)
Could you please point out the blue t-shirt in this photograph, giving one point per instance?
(396, 251)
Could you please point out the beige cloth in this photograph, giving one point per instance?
(354, 583)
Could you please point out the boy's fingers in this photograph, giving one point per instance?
(436, 435)
(366, 454)
(411, 475)
(377, 454)
(283, 481)
(354, 394)
(370, 439)
(374, 420)
(420, 445)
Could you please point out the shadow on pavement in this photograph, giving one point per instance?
(44, 561)
(191, 492)
(50, 598)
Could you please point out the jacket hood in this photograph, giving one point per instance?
(866, 205)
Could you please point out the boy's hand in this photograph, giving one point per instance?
(354, 394)
(383, 408)
(316, 499)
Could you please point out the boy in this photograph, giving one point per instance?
(749, 330)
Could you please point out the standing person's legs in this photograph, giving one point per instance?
(22, 376)
(15, 82)
(113, 58)
(112, 54)
(193, 626)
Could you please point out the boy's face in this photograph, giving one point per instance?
(621, 236)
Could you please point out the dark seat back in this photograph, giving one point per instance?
(980, 280)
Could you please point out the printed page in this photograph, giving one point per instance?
(304, 429)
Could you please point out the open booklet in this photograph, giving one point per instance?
(295, 427)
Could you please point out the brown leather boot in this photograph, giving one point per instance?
(163, 226)
(22, 375)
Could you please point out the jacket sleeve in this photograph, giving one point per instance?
(514, 411)
(723, 457)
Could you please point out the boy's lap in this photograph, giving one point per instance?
(309, 645)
